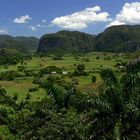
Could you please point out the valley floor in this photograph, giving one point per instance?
(93, 62)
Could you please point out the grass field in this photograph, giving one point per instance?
(96, 62)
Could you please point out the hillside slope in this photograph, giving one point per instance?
(123, 38)
(66, 41)
(21, 44)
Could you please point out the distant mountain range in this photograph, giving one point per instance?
(124, 38)
(66, 41)
(21, 44)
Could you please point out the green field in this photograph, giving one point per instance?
(97, 61)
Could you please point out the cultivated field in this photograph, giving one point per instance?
(93, 62)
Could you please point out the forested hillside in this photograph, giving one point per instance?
(114, 39)
(123, 38)
(21, 44)
(66, 41)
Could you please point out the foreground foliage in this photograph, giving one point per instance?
(66, 114)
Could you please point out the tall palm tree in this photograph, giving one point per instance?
(115, 114)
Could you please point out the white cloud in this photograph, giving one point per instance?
(3, 31)
(22, 19)
(39, 25)
(130, 14)
(44, 20)
(115, 23)
(35, 27)
(81, 19)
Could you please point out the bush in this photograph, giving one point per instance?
(9, 75)
(98, 57)
(9, 56)
(57, 58)
(81, 67)
(108, 76)
(21, 68)
(80, 73)
(80, 70)
(50, 69)
(29, 73)
(38, 78)
(33, 89)
(15, 97)
(93, 79)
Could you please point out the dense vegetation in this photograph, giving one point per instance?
(21, 44)
(9, 56)
(113, 112)
(66, 42)
(68, 92)
(115, 39)
(119, 39)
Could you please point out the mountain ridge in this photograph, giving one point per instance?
(123, 38)
(20, 43)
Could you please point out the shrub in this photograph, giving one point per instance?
(33, 89)
(57, 58)
(9, 75)
(80, 70)
(28, 96)
(93, 79)
(50, 69)
(15, 97)
(98, 57)
(81, 67)
(21, 68)
(9, 57)
(29, 73)
(108, 76)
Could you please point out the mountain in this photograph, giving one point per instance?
(66, 42)
(31, 43)
(124, 38)
(21, 44)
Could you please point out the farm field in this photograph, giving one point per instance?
(96, 61)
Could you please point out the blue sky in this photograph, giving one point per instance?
(37, 17)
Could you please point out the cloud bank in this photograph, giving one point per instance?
(3, 31)
(130, 15)
(22, 19)
(81, 19)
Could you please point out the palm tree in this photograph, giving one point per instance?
(115, 113)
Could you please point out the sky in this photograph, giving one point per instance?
(38, 17)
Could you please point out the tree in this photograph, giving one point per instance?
(28, 96)
(108, 76)
(15, 97)
(80, 67)
(80, 70)
(93, 79)
(115, 113)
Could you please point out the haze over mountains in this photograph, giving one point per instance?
(124, 38)
(20, 43)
